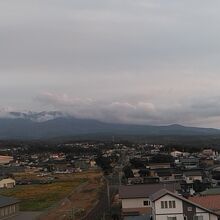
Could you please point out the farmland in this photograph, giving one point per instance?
(38, 197)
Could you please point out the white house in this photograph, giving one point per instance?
(7, 183)
(176, 153)
(169, 206)
(135, 198)
(191, 176)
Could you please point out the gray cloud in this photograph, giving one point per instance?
(193, 112)
(137, 61)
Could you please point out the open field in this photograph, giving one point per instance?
(38, 197)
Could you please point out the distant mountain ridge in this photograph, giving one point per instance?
(56, 124)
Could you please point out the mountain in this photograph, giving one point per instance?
(37, 116)
(54, 124)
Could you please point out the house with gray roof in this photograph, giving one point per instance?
(135, 198)
(8, 207)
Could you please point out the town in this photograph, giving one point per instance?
(109, 180)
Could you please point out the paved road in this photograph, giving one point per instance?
(25, 216)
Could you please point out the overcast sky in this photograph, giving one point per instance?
(130, 61)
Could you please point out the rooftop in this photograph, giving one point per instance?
(164, 192)
(5, 201)
(209, 202)
(212, 191)
(145, 190)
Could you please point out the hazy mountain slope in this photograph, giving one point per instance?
(67, 126)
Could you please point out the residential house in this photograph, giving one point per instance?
(176, 153)
(135, 198)
(167, 175)
(189, 163)
(5, 159)
(7, 183)
(8, 207)
(167, 205)
(191, 176)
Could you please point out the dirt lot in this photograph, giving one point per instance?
(79, 202)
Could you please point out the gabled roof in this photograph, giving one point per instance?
(5, 201)
(164, 192)
(144, 190)
(211, 202)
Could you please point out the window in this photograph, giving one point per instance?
(165, 205)
(198, 217)
(168, 204)
(189, 209)
(172, 204)
(171, 218)
(146, 203)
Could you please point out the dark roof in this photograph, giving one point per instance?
(193, 173)
(145, 190)
(5, 201)
(211, 191)
(164, 173)
(189, 159)
(164, 192)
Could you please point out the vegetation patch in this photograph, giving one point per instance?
(41, 196)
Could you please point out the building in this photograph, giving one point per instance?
(176, 153)
(211, 202)
(167, 205)
(136, 198)
(191, 176)
(8, 207)
(7, 183)
(189, 163)
(5, 159)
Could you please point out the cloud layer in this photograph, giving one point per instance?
(133, 61)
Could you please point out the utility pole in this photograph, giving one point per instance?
(73, 214)
(103, 218)
(119, 175)
(108, 194)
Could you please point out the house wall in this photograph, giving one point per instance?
(206, 216)
(164, 217)
(213, 217)
(134, 203)
(9, 210)
(180, 211)
(7, 183)
(159, 210)
(191, 179)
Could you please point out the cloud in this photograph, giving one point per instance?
(133, 61)
(116, 111)
(194, 112)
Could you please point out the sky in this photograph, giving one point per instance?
(129, 61)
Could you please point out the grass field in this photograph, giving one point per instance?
(39, 197)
